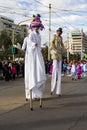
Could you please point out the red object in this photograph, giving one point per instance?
(51, 69)
(13, 70)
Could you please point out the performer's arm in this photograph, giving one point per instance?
(62, 45)
(24, 46)
(52, 46)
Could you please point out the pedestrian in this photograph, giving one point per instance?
(10, 73)
(64, 68)
(51, 68)
(84, 68)
(14, 71)
(79, 70)
(1, 68)
(74, 70)
(56, 49)
(6, 69)
(35, 76)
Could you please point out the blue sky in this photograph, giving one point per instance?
(69, 14)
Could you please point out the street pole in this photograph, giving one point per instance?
(81, 48)
(49, 31)
(13, 43)
(68, 47)
(13, 34)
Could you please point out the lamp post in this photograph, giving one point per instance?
(68, 47)
(81, 48)
(13, 43)
(13, 34)
(49, 31)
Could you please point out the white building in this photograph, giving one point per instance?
(77, 43)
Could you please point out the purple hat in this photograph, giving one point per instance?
(36, 22)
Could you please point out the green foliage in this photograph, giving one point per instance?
(6, 41)
(19, 39)
(74, 56)
(85, 56)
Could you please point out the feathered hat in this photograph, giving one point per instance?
(36, 22)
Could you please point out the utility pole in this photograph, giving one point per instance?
(81, 50)
(13, 43)
(81, 44)
(68, 47)
(49, 31)
(13, 34)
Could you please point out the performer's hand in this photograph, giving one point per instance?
(20, 50)
(36, 44)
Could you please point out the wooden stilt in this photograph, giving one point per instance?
(40, 102)
(31, 102)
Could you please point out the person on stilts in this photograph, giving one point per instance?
(35, 76)
(56, 49)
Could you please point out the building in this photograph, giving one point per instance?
(9, 25)
(6, 23)
(77, 43)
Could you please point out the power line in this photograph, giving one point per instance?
(65, 20)
(41, 3)
(11, 8)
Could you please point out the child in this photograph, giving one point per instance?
(51, 68)
(73, 70)
(13, 71)
(79, 70)
(64, 68)
(84, 68)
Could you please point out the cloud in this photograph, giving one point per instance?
(63, 12)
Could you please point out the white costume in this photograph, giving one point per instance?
(56, 76)
(73, 71)
(34, 66)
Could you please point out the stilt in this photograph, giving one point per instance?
(40, 102)
(31, 102)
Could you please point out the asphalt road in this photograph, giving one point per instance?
(68, 112)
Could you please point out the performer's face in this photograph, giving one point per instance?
(36, 29)
(59, 33)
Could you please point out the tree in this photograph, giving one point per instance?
(19, 39)
(5, 41)
(75, 56)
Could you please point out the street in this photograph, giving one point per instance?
(68, 112)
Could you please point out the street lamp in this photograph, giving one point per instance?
(49, 31)
(68, 47)
(13, 34)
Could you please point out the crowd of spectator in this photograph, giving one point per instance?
(10, 70)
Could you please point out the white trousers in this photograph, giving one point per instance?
(56, 77)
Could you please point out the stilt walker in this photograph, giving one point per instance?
(35, 76)
(56, 49)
